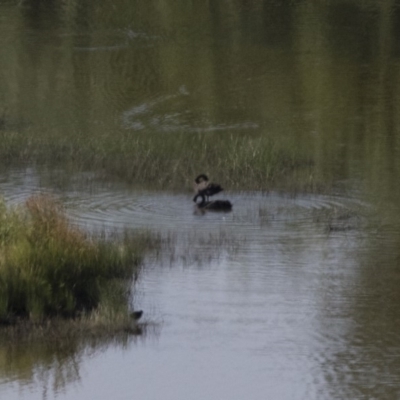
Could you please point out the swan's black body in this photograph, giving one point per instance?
(211, 189)
(215, 205)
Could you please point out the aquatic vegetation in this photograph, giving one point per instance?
(50, 268)
(244, 162)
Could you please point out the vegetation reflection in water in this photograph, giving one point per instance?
(52, 354)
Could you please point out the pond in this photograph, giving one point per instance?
(282, 289)
(292, 295)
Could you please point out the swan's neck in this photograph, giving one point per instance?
(203, 199)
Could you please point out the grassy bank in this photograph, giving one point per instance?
(168, 160)
(49, 268)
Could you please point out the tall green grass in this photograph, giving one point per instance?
(167, 160)
(49, 267)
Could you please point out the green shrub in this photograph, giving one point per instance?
(49, 267)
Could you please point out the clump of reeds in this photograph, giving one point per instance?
(245, 162)
(50, 268)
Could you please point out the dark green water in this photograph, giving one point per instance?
(287, 297)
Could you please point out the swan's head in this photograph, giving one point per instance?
(201, 178)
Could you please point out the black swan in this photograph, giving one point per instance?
(204, 189)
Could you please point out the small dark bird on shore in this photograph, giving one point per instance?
(136, 315)
(203, 187)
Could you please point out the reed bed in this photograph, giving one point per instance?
(51, 269)
(246, 162)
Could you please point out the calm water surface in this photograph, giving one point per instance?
(286, 297)
(279, 298)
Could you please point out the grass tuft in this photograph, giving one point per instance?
(245, 162)
(50, 268)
